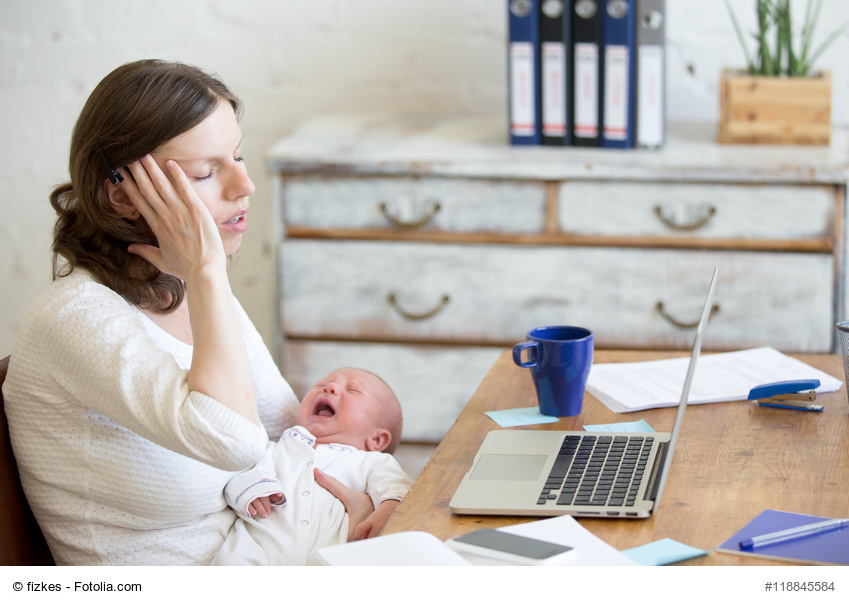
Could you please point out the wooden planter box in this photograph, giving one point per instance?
(760, 109)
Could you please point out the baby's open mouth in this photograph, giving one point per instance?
(323, 409)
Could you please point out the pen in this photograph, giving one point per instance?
(793, 533)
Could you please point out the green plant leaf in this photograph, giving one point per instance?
(741, 37)
(783, 36)
(831, 38)
(783, 58)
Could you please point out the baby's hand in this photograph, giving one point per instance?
(262, 505)
(373, 525)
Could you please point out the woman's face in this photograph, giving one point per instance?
(210, 155)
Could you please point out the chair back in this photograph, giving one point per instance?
(21, 540)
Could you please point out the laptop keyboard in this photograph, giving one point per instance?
(597, 471)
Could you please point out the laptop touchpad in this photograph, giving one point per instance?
(511, 467)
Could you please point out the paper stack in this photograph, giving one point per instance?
(725, 377)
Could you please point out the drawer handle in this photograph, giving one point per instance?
(707, 212)
(415, 224)
(392, 299)
(677, 323)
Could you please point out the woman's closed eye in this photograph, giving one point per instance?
(211, 173)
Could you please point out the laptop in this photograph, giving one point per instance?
(580, 473)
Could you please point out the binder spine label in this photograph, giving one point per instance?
(650, 102)
(523, 87)
(586, 90)
(554, 89)
(616, 92)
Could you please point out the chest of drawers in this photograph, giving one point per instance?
(420, 249)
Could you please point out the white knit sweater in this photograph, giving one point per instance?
(120, 462)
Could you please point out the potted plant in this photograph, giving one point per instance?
(779, 98)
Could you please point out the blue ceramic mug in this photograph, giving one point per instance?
(560, 358)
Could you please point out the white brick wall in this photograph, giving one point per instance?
(289, 59)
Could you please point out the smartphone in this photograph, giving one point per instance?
(500, 545)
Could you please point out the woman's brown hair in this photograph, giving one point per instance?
(134, 110)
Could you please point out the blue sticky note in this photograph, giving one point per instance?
(520, 416)
(662, 552)
(633, 426)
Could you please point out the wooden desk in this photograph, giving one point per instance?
(733, 460)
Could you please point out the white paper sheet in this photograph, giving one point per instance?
(725, 377)
(411, 548)
(589, 550)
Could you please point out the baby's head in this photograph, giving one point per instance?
(355, 407)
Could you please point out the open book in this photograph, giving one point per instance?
(724, 377)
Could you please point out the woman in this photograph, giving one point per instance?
(138, 385)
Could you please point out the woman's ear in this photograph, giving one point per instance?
(119, 200)
(379, 440)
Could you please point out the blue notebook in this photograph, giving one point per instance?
(827, 548)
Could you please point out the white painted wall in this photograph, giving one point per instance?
(289, 60)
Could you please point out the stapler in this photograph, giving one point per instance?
(795, 395)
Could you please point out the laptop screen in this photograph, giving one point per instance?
(685, 393)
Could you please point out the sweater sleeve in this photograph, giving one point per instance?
(277, 404)
(96, 351)
(259, 481)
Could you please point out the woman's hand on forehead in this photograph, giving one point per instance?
(187, 235)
